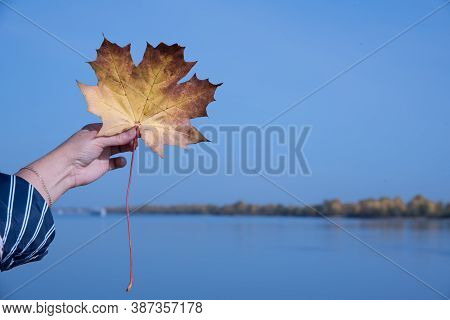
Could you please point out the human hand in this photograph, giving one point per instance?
(80, 160)
(90, 156)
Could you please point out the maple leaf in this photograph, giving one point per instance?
(148, 96)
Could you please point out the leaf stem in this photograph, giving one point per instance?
(130, 283)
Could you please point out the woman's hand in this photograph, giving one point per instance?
(80, 160)
(90, 156)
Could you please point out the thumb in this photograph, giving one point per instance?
(119, 139)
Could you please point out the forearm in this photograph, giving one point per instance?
(27, 195)
(26, 223)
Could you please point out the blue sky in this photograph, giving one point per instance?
(381, 129)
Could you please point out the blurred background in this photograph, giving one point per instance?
(380, 129)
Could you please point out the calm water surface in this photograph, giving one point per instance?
(197, 257)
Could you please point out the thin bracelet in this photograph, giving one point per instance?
(50, 202)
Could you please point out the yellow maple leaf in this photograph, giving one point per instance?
(148, 96)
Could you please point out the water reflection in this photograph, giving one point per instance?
(396, 224)
(205, 257)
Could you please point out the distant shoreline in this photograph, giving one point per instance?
(384, 207)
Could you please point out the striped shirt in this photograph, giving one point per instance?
(26, 223)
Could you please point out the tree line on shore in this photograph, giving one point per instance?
(418, 206)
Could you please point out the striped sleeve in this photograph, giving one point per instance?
(26, 223)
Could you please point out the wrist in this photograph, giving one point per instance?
(53, 175)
